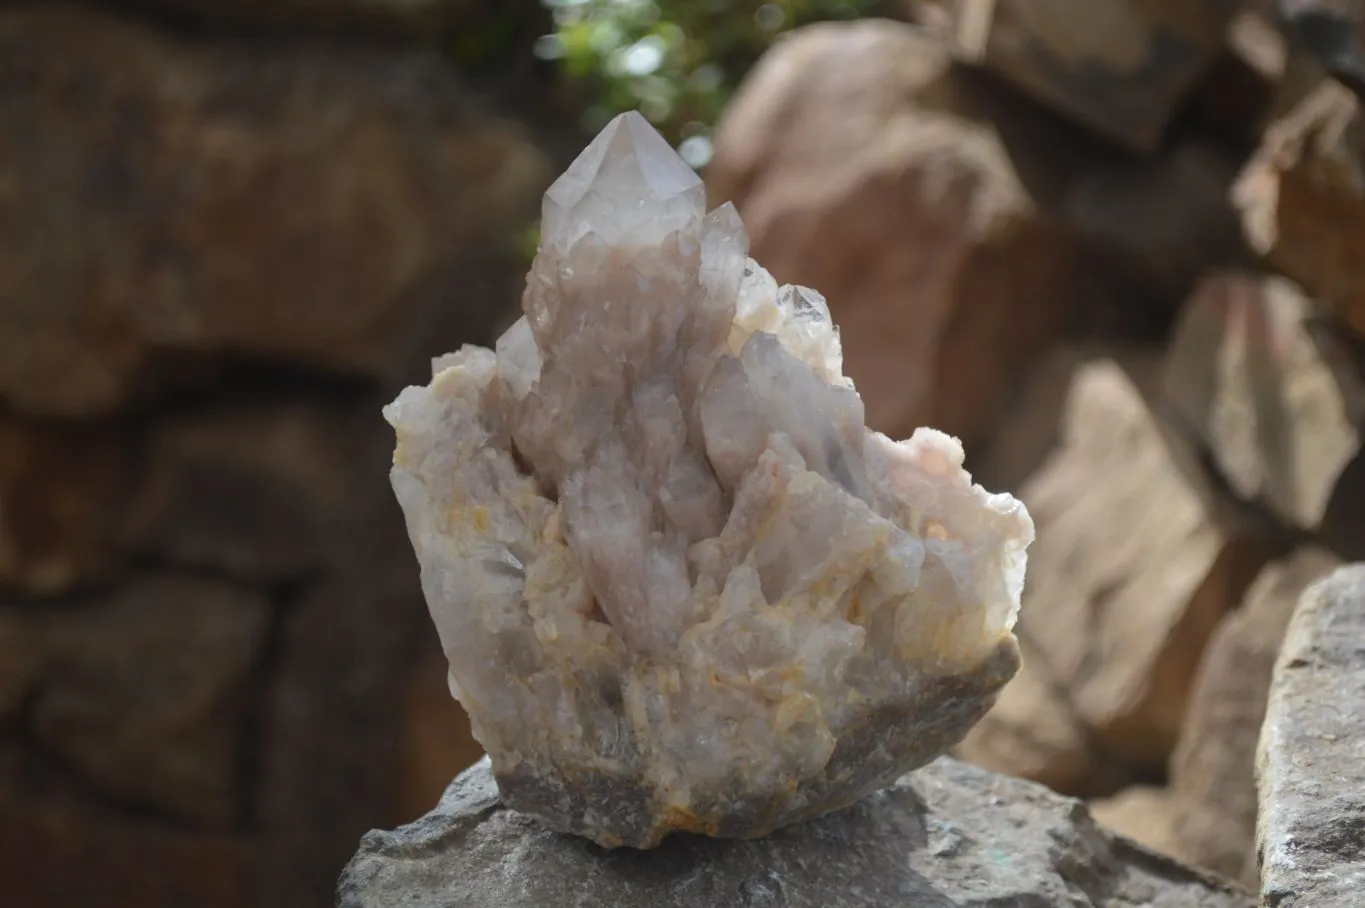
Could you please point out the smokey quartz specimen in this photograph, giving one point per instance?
(679, 584)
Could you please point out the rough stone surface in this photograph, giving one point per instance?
(1212, 772)
(65, 493)
(680, 585)
(1133, 557)
(1119, 67)
(1310, 767)
(947, 836)
(1274, 397)
(166, 199)
(921, 200)
(143, 692)
(1302, 198)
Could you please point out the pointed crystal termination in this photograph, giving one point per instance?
(679, 583)
(628, 187)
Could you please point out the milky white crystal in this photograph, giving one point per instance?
(680, 585)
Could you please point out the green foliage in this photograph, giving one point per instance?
(676, 61)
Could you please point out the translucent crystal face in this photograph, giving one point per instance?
(628, 186)
(679, 583)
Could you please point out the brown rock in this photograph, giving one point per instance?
(1144, 814)
(1213, 778)
(333, 722)
(299, 202)
(1238, 93)
(1131, 570)
(1303, 75)
(1119, 67)
(64, 492)
(59, 853)
(1033, 733)
(144, 692)
(408, 18)
(19, 663)
(865, 164)
(1154, 225)
(249, 488)
(1033, 424)
(1302, 198)
(1269, 392)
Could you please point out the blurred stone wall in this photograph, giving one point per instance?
(229, 232)
(1116, 246)
(1112, 244)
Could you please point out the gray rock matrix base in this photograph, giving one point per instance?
(947, 835)
(1311, 765)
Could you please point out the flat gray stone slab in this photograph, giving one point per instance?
(947, 835)
(1311, 763)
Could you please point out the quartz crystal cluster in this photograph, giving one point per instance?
(679, 584)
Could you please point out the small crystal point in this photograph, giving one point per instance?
(628, 177)
(724, 228)
(724, 249)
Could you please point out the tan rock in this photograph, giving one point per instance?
(64, 494)
(144, 692)
(1273, 396)
(1302, 198)
(1033, 733)
(1132, 569)
(1212, 775)
(1034, 730)
(1144, 814)
(913, 194)
(1032, 426)
(159, 196)
(1119, 67)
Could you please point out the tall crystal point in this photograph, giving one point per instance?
(628, 186)
(680, 585)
